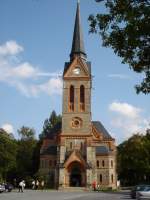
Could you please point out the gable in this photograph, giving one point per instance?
(74, 156)
(96, 134)
(101, 130)
(77, 68)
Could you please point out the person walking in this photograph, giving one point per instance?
(37, 184)
(21, 186)
(42, 184)
(94, 185)
(98, 187)
(33, 185)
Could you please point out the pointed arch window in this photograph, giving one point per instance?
(82, 98)
(100, 178)
(70, 145)
(71, 98)
(97, 163)
(103, 163)
(111, 163)
(112, 178)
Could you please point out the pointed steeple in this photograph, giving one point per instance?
(77, 43)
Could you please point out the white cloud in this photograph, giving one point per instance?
(24, 70)
(8, 128)
(125, 109)
(10, 48)
(25, 77)
(52, 87)
(128, 119)
(119, 76)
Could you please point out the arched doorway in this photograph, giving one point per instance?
(77, 175)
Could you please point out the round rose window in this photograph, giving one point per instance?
(76, 122)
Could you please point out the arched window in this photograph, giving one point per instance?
(71, 98)
(112, 178)
(70, 145)
(100, 178)
(111, 163)
(103, 163)
(82, 98)
(98, 163)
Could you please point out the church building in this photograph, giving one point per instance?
(82, 152)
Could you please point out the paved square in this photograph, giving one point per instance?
(61, 195)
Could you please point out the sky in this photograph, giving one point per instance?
(35, 42)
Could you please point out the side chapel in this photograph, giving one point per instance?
(82, 151)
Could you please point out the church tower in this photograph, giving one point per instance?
(76, 116)
(81, 152)
(76, 112)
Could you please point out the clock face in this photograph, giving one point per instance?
(76, 71)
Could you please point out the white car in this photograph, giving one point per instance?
(143, 194)
(2, 188)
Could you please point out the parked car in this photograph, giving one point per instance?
(135, 189)
(143, 194)
(2, 188)
(8, 187)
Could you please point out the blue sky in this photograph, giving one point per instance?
(35, 41)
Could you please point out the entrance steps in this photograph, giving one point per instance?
(74, 189)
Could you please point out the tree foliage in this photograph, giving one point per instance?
(27, 154)
(24, 157)
(51, 125)
(125, 28)
(134, 160)
(8, 151)
(19, 158)
(26, 133)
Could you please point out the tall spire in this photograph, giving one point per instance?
(77, 43)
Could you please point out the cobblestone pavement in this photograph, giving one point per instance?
(61, 195)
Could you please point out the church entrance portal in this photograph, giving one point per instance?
(76, 175)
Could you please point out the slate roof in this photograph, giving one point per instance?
(51, 150)
(103, 150)
(100, 128)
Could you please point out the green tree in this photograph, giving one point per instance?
(134, 160)
(51, 125)
(8, 151)
(26, 154)
(125, 28)
(26, 133)
(36, 157)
